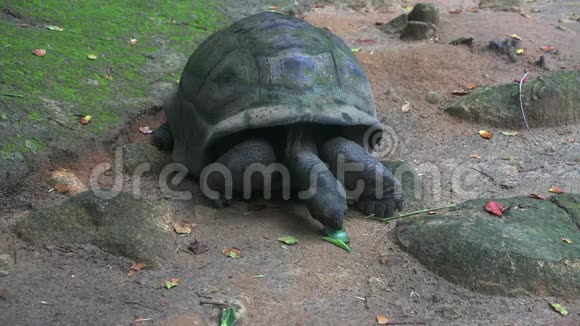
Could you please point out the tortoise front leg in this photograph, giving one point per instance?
(381, 192)
(232, 167)
(323, 195)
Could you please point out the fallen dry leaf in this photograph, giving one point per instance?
(485, 134)
(520, 51)
(140, 320)
(477, 156)
(39, 52)
(431, 212)
(138, 266)
(273, 8)
(382, 320)
(515, 36)
(523, 14)
(556, 190)
(495, 208)
(183, 227)
(145, 130)
(547, 48)
(510, 133)
(364, 41)
(107, 76)
(62, 188)
(171, 283)
(567, 240)
(460, 92)
(455, 11)
(406, 107)
(86, 119)
(131, 273)
(133, 41)
(232, 252)
(536, 196)
(471, 86)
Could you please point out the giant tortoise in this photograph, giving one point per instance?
(288, 102)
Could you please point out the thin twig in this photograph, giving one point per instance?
(13, 95)
(140, 304)
(487, 175)
(522, 108)
(62, 124)
(388, 219)
(213, 303)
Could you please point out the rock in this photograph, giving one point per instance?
(13, 170)
(520, 252)
(396, 25)
(4, 273)
(426, 13)
(137, 155)
(138, 229)
(433, 98)
(462, 41)
(5, 260)
(73, 184)
(549, 101)
(415, 31)
(499, 4)
(413, 188)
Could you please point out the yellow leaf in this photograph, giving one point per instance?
(382, 320)
(183, 227)
(520, 51)
(515, 36)
(567, 240)
(92, 57)
(356, 49)
(86, 119)
(556, 190)
(485, 134)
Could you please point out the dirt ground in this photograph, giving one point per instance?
(315, 283)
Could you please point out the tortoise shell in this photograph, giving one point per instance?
(263, 71)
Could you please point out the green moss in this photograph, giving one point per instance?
(66, 75)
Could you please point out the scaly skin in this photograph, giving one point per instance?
(381, 202)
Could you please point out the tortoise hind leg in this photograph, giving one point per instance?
(228, 173)
(163, 138)
(381, 192)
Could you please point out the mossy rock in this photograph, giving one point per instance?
(425, 12)
(138, 229)
(549, 101)
(416, 31)
(519, 252)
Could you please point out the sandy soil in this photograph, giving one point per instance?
(315, 283)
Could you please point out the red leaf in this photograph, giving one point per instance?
(39, 52)
(495, 208)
